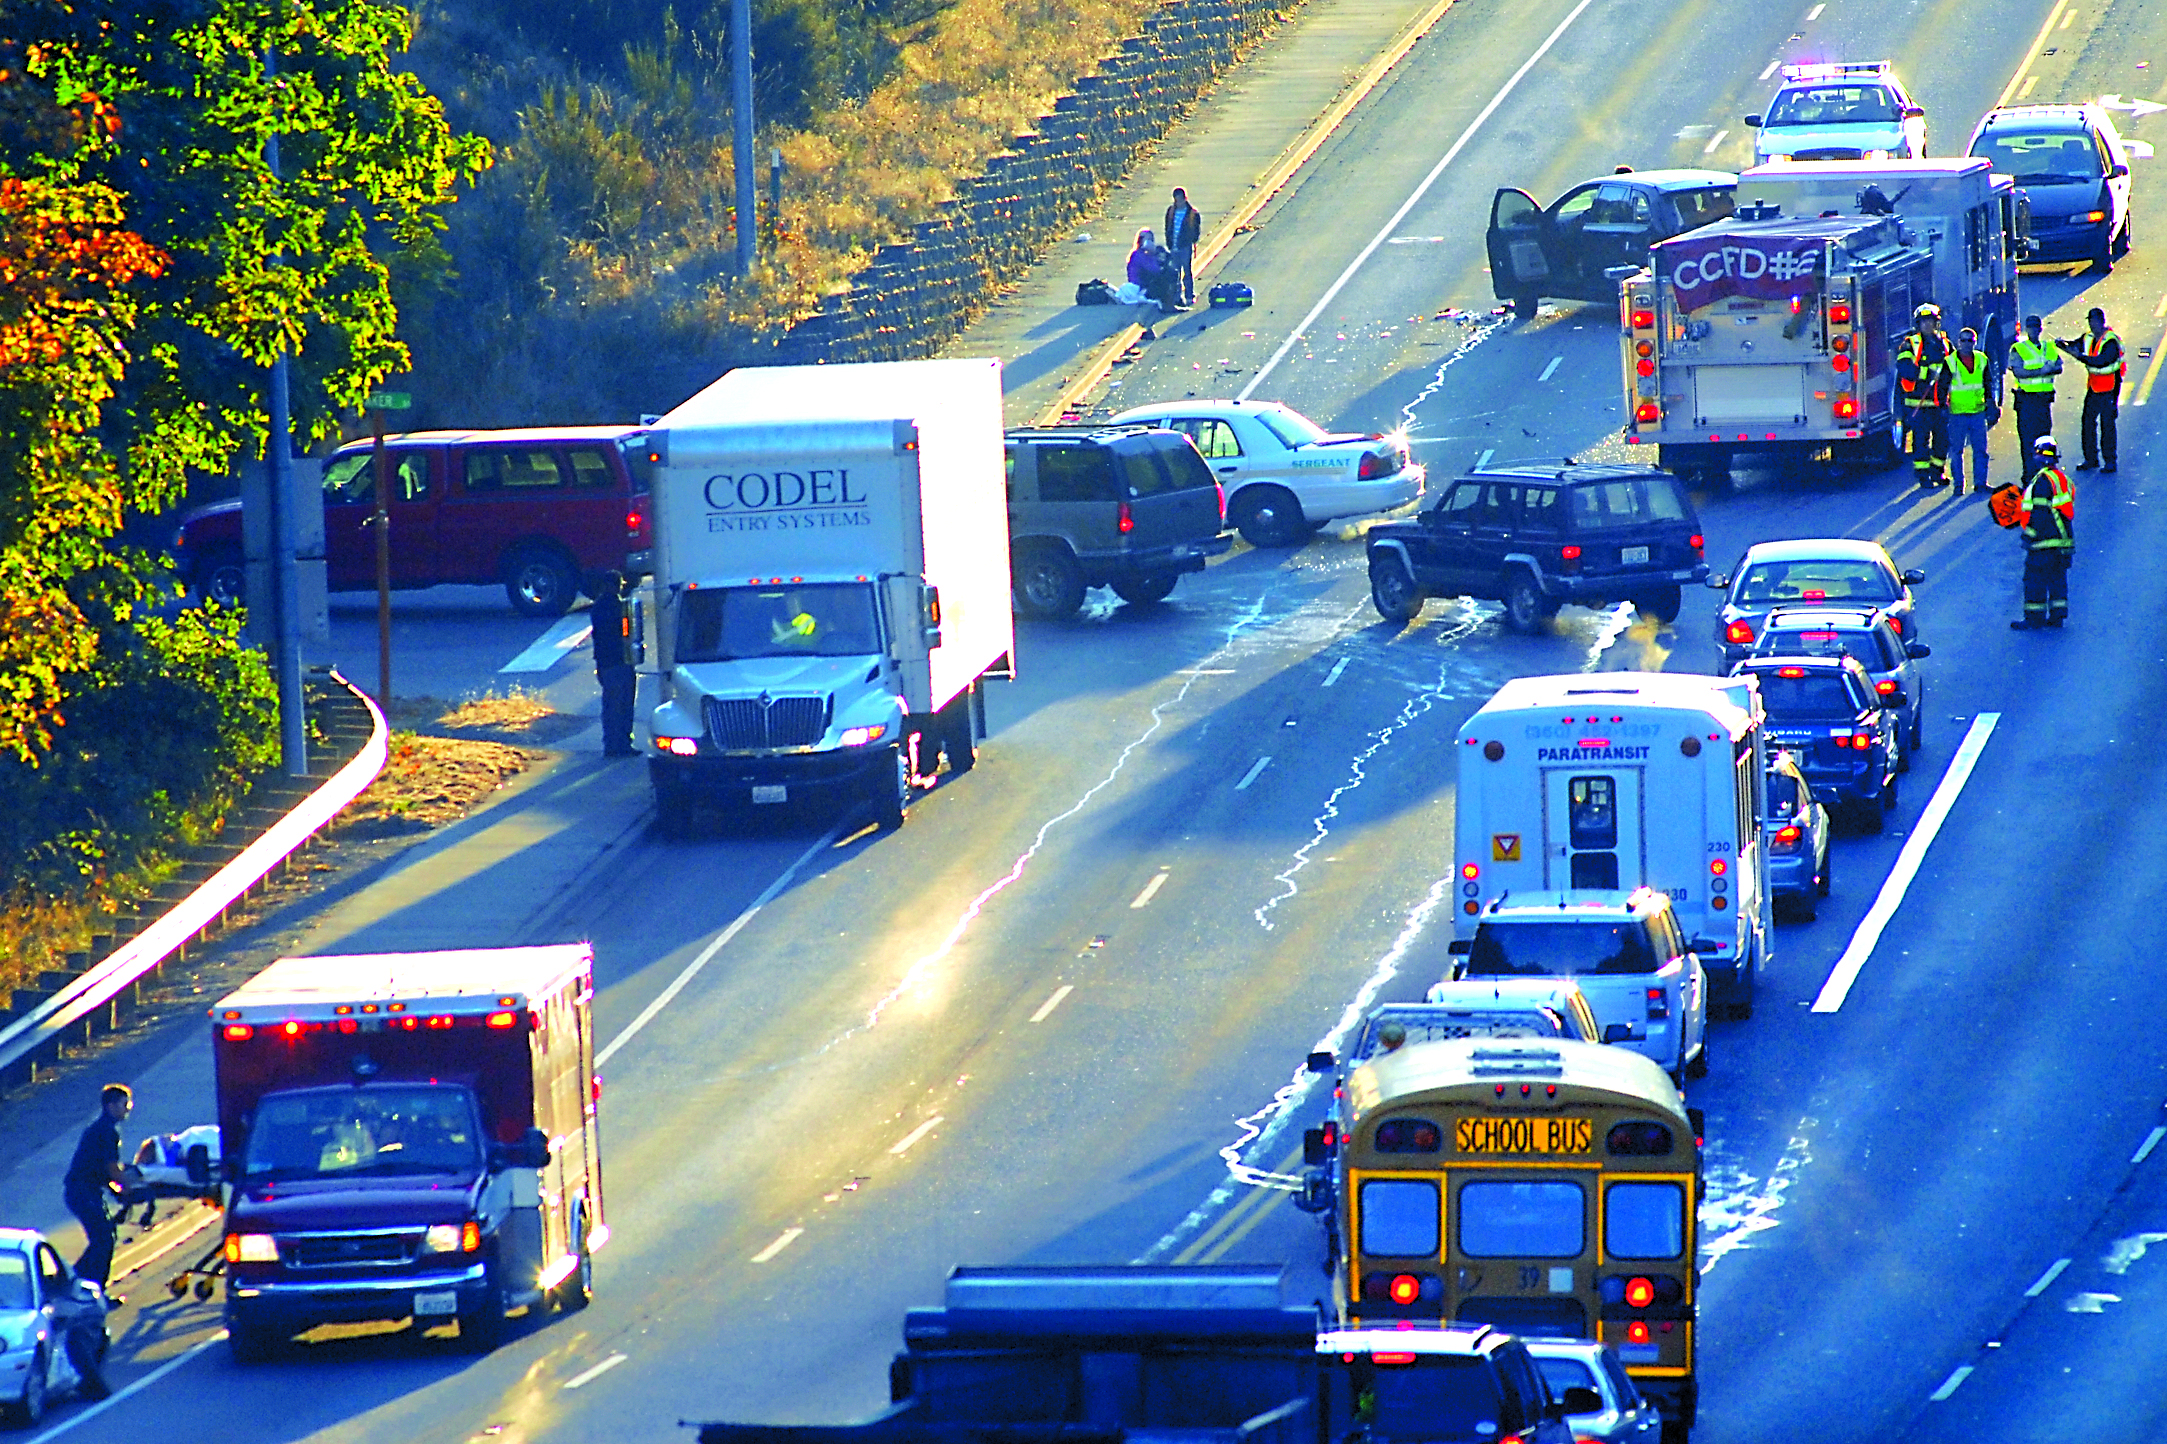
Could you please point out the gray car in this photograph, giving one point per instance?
(1798, 829)
(52, 1329)
(1859, 630)
(1625, 1418)
(1816, 571)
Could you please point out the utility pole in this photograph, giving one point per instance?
(378, 403)
(742, 162)
(285, 538)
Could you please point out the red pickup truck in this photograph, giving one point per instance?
(541, 510)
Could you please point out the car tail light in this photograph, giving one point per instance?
(1885, 686)
(1221, 490)
(1127, 523)
(238, 1032)
(1570, 556)
(1695, 541)
(503, 1020)
(1860, 741)
(635, 525)
(1374, 465)
(1647, 411)
(1658, 1003)
(1896, 624)
(1739, 634)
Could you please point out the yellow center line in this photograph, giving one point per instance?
(2033, 54)
(1226, 1245)
(1257, 1198)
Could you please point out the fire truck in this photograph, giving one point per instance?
(1774, 333)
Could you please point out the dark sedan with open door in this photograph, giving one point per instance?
(1569, 251)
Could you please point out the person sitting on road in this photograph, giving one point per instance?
(1151, 271)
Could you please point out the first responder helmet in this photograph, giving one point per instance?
(1926, 308)
(2046, 448)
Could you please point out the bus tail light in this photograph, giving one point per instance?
(1405, 1290)
(1639, 1293)
(1847, 407)
(1636, 1332)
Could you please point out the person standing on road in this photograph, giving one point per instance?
(1922, 370)
(2101, 352)
(2046, 520)
(1184, 229)
(94, 1181)
(615, 651)
(2033, 363)
(1974, 408)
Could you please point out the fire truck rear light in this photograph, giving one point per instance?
(1644, 367)
(238, 1032)
(1647, 411)
(1642, 320)
(1839, 363)
(1644, 348)
(1839, 313)
(1847, 407)
(1841, 343)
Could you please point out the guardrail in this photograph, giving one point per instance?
(36, 1037)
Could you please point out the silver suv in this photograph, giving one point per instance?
(1130, 507)
(1624, 949)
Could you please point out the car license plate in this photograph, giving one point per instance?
(1632, 556)
(1523, 1135)
(428, 1306)
(771, 794)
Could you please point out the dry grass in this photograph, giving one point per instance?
(429, 781)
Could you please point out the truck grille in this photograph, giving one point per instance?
(348, 1250)
(743, 724)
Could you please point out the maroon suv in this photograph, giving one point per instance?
(541, 510)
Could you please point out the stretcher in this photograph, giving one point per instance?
(160, 1172)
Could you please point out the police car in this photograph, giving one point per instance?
(1855, 110)
(1284, 475)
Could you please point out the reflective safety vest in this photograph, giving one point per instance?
(1922, 369)
(2036, 364)
(1967, 387)
(2106, 367)
(2048, 511)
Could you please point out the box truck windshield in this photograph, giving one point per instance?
(729, 624)
(371, 1131)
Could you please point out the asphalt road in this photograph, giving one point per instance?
(998, 1036)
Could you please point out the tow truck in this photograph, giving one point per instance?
(1774, 333)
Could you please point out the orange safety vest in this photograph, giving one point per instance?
(2101, 378)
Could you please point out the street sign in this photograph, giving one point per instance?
(389, 401)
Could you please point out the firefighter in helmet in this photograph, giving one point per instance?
(1922, 371)
(2046, 520)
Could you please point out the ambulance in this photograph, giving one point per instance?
(1611, 781)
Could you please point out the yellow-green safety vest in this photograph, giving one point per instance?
(1967, 386)
(2036, 356)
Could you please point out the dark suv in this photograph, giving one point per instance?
(1537, 537)
(1128, 507)
(1842, 733)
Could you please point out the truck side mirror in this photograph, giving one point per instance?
(198, 1164)
(1321, 1061)
(1460, 947)
(531, 1151)
(1316, 1194)
(932, 617)
(1314, 1151)
(1703, 945)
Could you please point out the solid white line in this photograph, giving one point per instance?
(1337, 668)
(2046, 1280)
(1045, 1009)
(136, 1388)
(1551, 369)
(548, 650)
(789, 1237)
(1949, 1385)
(915, 1134)
(692, 969)
(594, 1373)
(1815, 13)
(1847, 968)
(1294, 337)
(1714, 141)
(2150, 1143)
(1143, 899)
(1770, 69)
(1261, 764)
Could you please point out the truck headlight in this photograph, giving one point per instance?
(1877, 155)
(679, 746)
(861, 736)
(441, 1238)
(251, 1248)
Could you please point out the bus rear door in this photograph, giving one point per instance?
(1593, 834)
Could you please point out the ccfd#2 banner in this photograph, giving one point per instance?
(1772, 268)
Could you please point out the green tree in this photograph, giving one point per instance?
(168, 106)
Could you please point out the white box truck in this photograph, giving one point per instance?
(1610, 781)
(830, 584)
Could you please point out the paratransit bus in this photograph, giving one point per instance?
(1545, 1186)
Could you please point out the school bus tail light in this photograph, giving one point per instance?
(1639, 1293)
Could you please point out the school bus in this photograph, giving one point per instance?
(1543, 1185)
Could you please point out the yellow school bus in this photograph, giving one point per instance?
(1542, 1185)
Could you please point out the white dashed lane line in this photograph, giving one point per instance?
(549, 649)
(1950, 1385)
(1254, 772)
(1551, 369)
(1045, 1009)
(583, 1379)
(1815, 13)
(903, 1145)
(2152, 1141)
(1337, 668)
(1143, 899)
(1715, 142)
(789, 1236)
(2046, 1280)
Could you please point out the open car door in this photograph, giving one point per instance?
(1520, 269)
